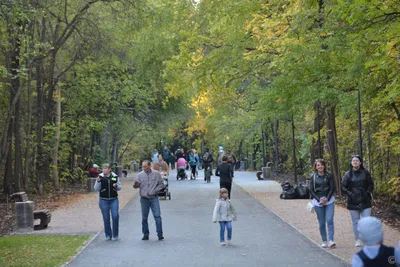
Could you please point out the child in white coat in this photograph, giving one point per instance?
(224, 213)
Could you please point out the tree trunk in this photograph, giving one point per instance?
(8, 174)
(276, 128)
(12, 60)
(115, 150)
(40, 155)
(18, 150)
(331, 138)
(294, 152)
(263, 147)
(28, 135)
(56, 180)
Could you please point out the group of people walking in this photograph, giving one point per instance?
(150, 183)
(358, 186)
(356, 183)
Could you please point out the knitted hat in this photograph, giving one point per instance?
(370, 230)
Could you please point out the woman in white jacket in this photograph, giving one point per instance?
(224, 213)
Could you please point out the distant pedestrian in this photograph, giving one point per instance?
(166, 154)
(197, 157)
(150, 183)
(358, 185)
(221, 153)
(180, 153)
(224, 213)
(225, 173)
(374, 252)
(154, 156)
(207, 159)
(321, 190)
(231, 158)
(161, 165)
(107, 184)
(173, 161)
(193, 165)
(94, 171)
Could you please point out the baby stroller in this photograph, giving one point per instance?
(181, 169)
(165, 192)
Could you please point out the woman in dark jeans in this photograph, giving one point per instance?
(358, 185)
(321, 189)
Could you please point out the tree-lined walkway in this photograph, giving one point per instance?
(191, 239)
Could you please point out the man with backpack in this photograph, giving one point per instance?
(207, 163)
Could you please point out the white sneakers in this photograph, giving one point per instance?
(228, 242)
(359, 243)
(331, 244)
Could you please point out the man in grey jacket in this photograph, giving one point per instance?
(150, 183)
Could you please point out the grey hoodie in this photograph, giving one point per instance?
(224, 211)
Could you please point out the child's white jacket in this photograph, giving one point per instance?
(224, 211)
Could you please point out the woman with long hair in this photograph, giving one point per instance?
(321, 190)
(358, 185)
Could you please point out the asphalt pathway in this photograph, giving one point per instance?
(191, 239)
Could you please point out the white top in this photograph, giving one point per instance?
(316, 203)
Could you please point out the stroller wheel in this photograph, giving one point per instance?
(169, 196)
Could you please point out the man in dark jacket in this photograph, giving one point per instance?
(225, 173)
(166, 154)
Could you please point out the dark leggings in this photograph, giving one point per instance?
(193, 170)
(227, 186)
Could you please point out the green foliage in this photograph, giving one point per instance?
(217, 73)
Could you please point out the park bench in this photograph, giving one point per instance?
(43, 215)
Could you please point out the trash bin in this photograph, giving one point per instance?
(24, 219)
(90, 184)
(266, 173)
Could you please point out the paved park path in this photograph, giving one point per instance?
(191, 239)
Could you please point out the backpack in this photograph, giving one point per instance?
(193, 160)
(207, 157)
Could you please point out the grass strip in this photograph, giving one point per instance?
(39, 250)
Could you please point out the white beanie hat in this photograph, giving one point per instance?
(370, 230)
(95, 165)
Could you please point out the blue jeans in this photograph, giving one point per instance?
(355, 217)
(325, 217)
(106, 206)
(222, 230)
(154, 205)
